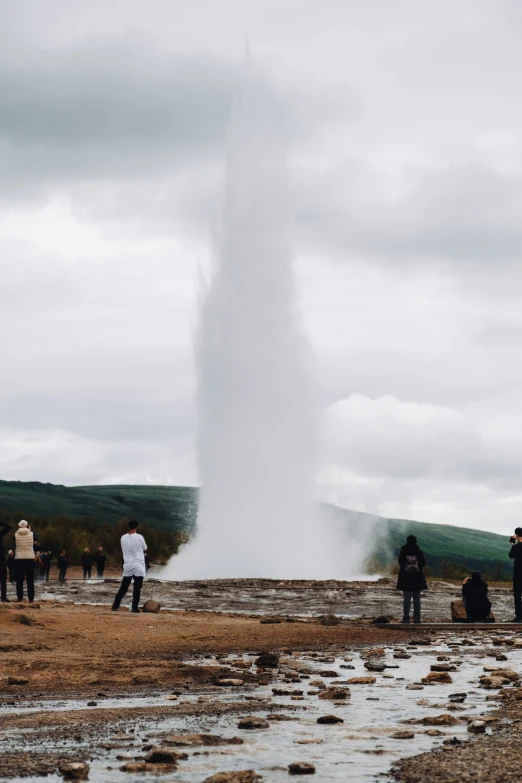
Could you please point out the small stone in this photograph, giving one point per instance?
(308, 742)
(329, 619)
(270, 621)
(329, 673)
(442, 678)
(251, 723)
(374, 666)
(92, 703)
(402, 655)
(14, 680)
(244, 776)
(361, 680)
(438, 720)
(74, 770)
(172, 697)
(443, 667)
(301, 768)
(477, 727)
(435, 733)
(415, 687)
(230, 682)
(151, 606)
(267, 660)
(164, 756)
(501, 657)
(329, 720)
(144, 766)
(286, 692)
(334, 693)
(402, 735)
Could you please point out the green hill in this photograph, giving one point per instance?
(450, 550)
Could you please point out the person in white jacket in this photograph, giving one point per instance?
(24, 560)
(133, 548)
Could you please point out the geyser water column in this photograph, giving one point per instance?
(256, 438)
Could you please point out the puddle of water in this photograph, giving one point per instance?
(360, 749)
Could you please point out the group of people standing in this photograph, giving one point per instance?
(26, 561)
(412, 582)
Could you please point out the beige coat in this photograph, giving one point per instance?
(24, 539)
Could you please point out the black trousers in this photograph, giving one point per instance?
(87, 572)
(61, 574)
(517, 591)
(25, 570)
(100, 570)
(3, 579)
(125, 583)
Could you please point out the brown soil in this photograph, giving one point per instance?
(65, 650)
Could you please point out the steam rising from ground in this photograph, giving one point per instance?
(256, 421)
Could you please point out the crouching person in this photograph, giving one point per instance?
(411, 578)
(475, 599)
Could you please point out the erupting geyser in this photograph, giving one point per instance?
(256, 422)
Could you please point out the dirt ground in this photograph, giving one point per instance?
(67, 650)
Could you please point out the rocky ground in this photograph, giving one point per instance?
(199, 669)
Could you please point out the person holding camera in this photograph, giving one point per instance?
(515, 554)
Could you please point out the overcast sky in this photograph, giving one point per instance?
(405, 128)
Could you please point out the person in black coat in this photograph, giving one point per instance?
(4, 529)
(87, 563)
(515, 554)
(411, 578)
(62, 565)
(475, 598)
(99, 558)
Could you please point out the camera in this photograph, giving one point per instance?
(512, 540)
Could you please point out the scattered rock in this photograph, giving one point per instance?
(403, 656)
(172, 697)
(442, 678)
(438, 720)
(301, 768)
(151, 606)
(267, 660)
(14, 680)
(329, 720)
(458, 612)
(73, 770)
(329, 619)
(245, 776)
(501, 657)
(251, 723)
(230, 682)
(435, 733)
(334, 694)
(361, 680)
(269, 621)
(286, 692)
(415, 687)
(92, 703)
(381, 620)
(477, 727)
(164, 756)
(492, 683)
(506, 674)
(443, 667)
(144, 766)
(374, 666)
(317, 684)
(402, 735)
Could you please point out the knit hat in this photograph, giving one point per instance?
(23, 523)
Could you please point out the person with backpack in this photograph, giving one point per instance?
(475, 598)
(411, 578)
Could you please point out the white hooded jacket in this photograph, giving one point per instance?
(24, 539)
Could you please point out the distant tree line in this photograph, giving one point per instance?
(74, 534)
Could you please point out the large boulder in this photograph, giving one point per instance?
(329, 619)
(439, 678)
(301, 768)
(73, 770)
(267, 660)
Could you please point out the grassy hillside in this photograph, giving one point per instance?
(450, 550)
(168, 508)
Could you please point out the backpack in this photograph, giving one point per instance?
(411, 565)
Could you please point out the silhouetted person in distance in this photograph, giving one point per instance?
(4, 529)
(411, 578)
(62, 565)
(516, 554)
(48, 564)
(133, 548)
(24, 560)
(475, 598)
(99, 558)
(86, 562)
